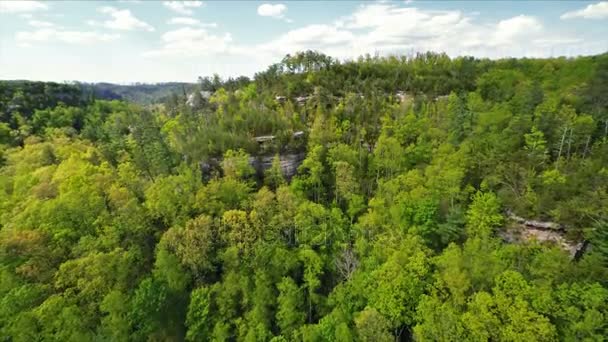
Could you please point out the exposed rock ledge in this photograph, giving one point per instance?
(541, 231)
(533, 223)
(289, 164)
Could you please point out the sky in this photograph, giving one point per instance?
(159, 41)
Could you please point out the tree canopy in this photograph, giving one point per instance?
(419, 183)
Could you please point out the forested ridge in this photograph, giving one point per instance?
(130, 222)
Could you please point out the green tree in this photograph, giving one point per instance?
(200, 316)
(483, 215)
(290, 315)
(236, 165)
(371, 326)
(273, 177)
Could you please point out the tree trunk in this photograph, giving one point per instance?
(309, 309)
(586, 146)
(561, 145)
(569, 143)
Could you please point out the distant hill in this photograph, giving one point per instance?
(140, 93)
(27, 96)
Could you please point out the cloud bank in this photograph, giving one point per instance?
(183, 7)
(22, 6)
(593, 11)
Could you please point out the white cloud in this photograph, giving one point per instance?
(40, 23)
(121, 20)
(316, 37)
(270, 10)
(275, 11)
(183, 7)
(50, 35)
(190, 22)
(593, 11)
(21, 6)
(515, 29)
(188, 41)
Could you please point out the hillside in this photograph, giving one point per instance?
(144, 94)
(138, 93)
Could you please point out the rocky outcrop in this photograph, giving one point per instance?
(301, 100)
(534, 223)
(401, 96)
(289, 163)
(527, 230)
(205, 95)
(264, 138)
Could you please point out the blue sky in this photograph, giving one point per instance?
(154, 41)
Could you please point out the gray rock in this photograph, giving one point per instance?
(289, 163)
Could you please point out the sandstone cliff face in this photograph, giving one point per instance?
(524, 230)
(289, 163)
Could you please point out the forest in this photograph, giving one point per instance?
(427, 198)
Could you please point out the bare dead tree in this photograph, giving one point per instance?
(561, 145)
(347, 263)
